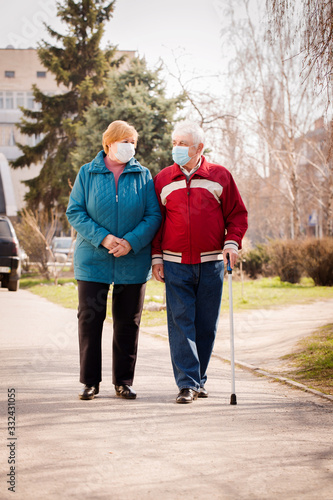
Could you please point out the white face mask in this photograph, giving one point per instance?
(125, 151)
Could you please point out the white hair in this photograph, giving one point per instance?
(191, 128)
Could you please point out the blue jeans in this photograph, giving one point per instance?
(193, 294)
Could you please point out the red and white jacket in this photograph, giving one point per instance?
(200, 217)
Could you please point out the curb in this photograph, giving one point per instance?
(285, 380)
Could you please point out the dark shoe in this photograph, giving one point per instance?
(89, 391)
(203, 393)
(187, 396)
(125, 391)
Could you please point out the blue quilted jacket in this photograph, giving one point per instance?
(96, 210)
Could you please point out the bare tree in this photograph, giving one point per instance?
(275, 107)
(317, 190)
(36, 230)
(308, 24)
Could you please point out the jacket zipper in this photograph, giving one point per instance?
(117, 205)
(188, 182)
(114, 259)
(117, 218)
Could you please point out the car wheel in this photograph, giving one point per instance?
(13, 286)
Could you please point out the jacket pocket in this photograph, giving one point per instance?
(100, 255)
(83, 256)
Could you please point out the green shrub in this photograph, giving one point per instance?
(317, 260)
(285, 257)
(255, 261)
(290, 259)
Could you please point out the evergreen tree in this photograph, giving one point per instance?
(138, 97)
(81, 68)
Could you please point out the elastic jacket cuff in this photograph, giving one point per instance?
(99, 237)
(134, 241)
(230, 245)
(157, 259)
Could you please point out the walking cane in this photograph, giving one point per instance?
(233, 399)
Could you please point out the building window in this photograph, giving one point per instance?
(1, 100)
(9, 100)
(11, 138)
(19, 99)
(9, 74)
(7, 137)
(41, 74)
(30, 100)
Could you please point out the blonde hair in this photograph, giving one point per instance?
(118, 131)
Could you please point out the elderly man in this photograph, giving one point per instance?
(204, 218)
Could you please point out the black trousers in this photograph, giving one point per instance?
(127, 304)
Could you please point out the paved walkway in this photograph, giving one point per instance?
(276, 443)
(263, 336)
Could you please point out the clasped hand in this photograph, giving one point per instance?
(116, 246)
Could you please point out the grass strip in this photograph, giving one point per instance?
(254, 294)
(313, 362)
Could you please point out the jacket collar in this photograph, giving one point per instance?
(203, 170)
(97, 165)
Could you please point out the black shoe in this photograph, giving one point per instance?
(89, 391)
(203, 393)
(125, 391)
(187, 396)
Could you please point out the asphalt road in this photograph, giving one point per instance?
(275, 444)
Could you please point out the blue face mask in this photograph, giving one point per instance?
(180, 155)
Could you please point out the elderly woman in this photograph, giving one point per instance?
(114, 209)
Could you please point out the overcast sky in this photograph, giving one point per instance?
(154, 28)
